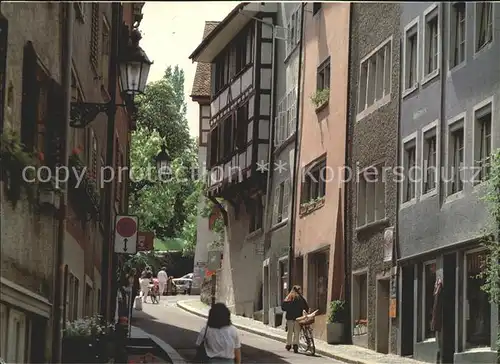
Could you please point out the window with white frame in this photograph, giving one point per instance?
(482, 143)
(375, 76)
(293, 34)
(457, 33)
(430, 159)
(409, 166)
(411, 57)
(483, 24)
(15, 335)
(286, 117)
(371, 195)
(431, 49)
(427, 296)
(477, 303)
(281, 201)
(456, 156)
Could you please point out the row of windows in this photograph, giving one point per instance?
(456, 171)
(429, 54)
(229, 136)
(233, 59)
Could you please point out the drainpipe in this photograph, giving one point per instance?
(108, 274)
(291, 245)
(268, 219)
(442, 111)
(347, 194)
(59, 272)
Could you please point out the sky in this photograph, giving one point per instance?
(170, 33)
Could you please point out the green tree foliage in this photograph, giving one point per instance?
(161, 206)
(491, 269)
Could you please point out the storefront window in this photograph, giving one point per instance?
(428, 290)
(477, 305)
(283, 279)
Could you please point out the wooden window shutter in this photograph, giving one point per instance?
(30, 96)
(286, 202)
(276, 203)
(3, 65)
(55, 123)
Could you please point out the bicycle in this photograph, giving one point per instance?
(306, 339)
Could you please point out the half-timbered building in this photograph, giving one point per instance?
(240, 49)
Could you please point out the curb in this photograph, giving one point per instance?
(183, 305)
(174, 356)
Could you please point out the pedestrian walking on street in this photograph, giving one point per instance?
(294, 305)
(219, 339)
(162, 280)
(144, 284)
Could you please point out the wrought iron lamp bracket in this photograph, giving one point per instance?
(83, 113)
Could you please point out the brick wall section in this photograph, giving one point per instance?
(374, 138)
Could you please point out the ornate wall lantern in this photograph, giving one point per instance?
(134, 67)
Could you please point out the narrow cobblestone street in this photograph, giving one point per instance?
(180, 329)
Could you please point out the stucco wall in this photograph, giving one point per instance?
(27, 238)
(437, 222)
(326, 35)
(374, 139)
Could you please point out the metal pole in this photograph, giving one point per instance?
(107, 254)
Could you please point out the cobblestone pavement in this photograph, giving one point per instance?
(180, 329)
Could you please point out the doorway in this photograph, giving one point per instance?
(298, 276)
(265, 295)
(449, 299)
(407, 305)
(382, 320)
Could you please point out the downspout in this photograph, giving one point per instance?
(291, 245)
(108, 259)
(269, 194)
(442, 111)
(59, 272)
(347, 192)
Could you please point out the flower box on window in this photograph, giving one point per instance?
(320, 99)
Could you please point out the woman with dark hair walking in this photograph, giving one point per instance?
(294, 305)
(219, 337)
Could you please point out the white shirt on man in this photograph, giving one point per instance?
(162, 276)
(220, 343)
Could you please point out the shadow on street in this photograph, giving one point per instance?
(184, 340)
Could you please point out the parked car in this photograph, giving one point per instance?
(184, 283)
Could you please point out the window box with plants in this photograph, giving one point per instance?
(320, 99)
(13, 160)
(310, 206)
(335, 324)
(87, 340)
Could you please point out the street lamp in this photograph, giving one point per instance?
(163, 161)
(134, 67)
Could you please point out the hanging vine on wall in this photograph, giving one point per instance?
(491, 268)
(218, 224)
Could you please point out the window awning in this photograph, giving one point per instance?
(232, 24)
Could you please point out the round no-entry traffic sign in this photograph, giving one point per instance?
(126, 227)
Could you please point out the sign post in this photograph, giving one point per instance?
(126, 234)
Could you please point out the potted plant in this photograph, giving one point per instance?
(320, 98)
(86, 341)
(335, 324)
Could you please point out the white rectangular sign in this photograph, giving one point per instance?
(126, 229)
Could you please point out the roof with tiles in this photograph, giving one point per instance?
(201, 83)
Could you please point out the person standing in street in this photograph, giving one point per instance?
(219, 337)
(162, 280)
(144, 284)
(294, 305)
